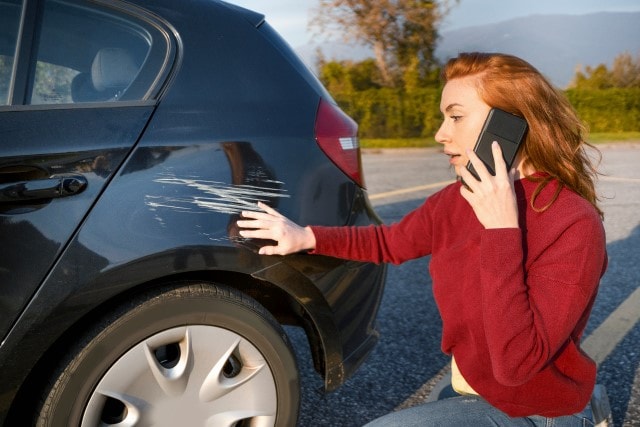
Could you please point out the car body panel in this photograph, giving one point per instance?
(167, 180)
(56, 147)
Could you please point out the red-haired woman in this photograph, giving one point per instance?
(516, 258)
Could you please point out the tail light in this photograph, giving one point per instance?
(337, 136)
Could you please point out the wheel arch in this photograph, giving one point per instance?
(283, 305)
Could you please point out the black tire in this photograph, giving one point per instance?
(176, 357)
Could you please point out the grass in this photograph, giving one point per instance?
(613, 137)
(598, 137)
(398, 142)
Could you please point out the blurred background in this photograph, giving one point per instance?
(381, 60)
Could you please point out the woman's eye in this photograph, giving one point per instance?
(455, 118)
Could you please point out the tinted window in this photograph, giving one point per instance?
(10, 12)
(86, 54)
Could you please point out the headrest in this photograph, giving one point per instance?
(82, 89)
(113, 69)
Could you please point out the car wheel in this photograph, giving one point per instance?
(190, 355)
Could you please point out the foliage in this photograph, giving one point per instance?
(52, 82)
(383, 112)
(6, 63)
(348, 77)
(402, 33)
(624, 73)
(413, 111)
(605, 137)
(380, 143)
(608, 110)
(387, 112)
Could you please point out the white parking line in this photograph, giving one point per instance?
(598, 345)
(409, 190)
(618, 179)
(608, 335)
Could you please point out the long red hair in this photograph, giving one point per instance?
(555, 143)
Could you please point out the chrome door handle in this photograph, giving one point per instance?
(39, 189)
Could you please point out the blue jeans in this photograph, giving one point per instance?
(451, 409)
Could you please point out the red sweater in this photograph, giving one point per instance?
(514, 302)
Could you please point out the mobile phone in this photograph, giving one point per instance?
(508, 130)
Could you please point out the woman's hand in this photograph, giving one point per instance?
(493, 198)
(271, 225)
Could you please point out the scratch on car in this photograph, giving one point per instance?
(213, 196)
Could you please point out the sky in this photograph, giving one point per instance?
(290, 17)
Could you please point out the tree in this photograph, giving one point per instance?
(624, 73)
(6, 65)
(402, 33)
(348, 77)
(592, 78)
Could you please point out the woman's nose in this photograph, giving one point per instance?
(441, 135)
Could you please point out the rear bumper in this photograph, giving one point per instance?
(340, 300)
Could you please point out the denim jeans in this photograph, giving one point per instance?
(451, 409)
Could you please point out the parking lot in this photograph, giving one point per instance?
(407, 362)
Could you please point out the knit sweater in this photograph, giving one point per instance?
(514, 302)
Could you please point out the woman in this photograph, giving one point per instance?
(516, 258)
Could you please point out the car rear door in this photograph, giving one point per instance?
(79, 82)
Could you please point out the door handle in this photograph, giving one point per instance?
(39, 189)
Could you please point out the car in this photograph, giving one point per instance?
(133, 135)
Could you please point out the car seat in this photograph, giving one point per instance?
(112, 71)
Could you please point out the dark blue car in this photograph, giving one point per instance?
(132, 135)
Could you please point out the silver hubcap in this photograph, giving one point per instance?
(188, 376)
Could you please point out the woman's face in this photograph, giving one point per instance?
(464, 114)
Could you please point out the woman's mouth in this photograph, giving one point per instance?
(452, 157)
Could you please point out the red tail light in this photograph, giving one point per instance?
(337, 136)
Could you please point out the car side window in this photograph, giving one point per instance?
(10, 12)
(89, 54)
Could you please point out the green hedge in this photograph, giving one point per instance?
(386, 113)
(391, 113)
(607, 110)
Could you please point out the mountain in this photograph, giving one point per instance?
(555, 44)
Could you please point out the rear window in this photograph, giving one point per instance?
(86, 54)
(79, 51)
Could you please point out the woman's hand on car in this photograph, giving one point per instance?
(493, 198)
(271, 225)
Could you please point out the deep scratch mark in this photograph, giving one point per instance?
(213, 196)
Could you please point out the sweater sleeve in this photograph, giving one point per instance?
(407, 239)
(532, 311)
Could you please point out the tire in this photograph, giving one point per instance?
(189, 355)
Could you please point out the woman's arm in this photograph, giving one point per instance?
(529, 317)
(408, 239)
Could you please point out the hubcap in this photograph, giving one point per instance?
(195, 375)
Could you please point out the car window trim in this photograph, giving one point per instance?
(74, 106)
(23, 72)
(172, 57)
(25, 57)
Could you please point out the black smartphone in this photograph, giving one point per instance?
(508, 130)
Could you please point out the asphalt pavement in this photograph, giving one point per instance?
(407, 361)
